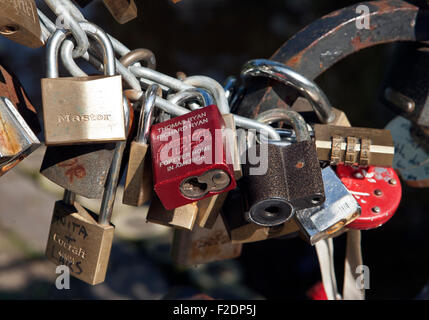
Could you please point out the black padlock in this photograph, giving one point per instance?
(293, 180)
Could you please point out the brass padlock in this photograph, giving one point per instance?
(17, 139)
(82, 169)
(182, 217)
(19, 22)
(80, 110)
(203, 245)
(354, 146)
(76, 239)
(138, 183)
(122, 10)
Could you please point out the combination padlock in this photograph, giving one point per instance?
(77, 237)
(17, 139)
(189, 158)
(139, 182)
(293, 179)
(80, 110)
(411, 155)
(19, 22)
(339, 209)
(354, 146)
(377, 190)
(82, 169)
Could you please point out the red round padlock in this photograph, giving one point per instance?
(377, 190)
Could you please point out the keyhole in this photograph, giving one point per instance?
(8, 30)
(194, 188)
(272, 211)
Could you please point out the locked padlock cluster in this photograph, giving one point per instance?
(218, 179)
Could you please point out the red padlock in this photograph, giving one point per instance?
(189, 158)
(377, 190)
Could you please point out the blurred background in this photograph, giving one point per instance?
(213, 38)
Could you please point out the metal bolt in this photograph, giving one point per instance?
(393, 181)
(376, 209)
(378, 192)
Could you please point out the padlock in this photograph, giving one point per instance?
(411, 155)
(122, 10)
(17, 140)
(243, 231)
(12, 89)
(293, 178)
(354, 146)
(138, 183)
(209, 208)
(406, 85)
(19, 22)
(339, 209)
(309, 89)
(182, 217)
(186, 169)
(202, 245)
(76, 239)
(82, 169)
(377, 190)
(80, 110)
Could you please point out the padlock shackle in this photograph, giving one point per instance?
(147, 112)
(112, 180)
(52, 49)
(214, 88)
(284, 74)
(203, 97)
(291, 117)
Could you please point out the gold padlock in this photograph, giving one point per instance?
(82, 109)
(80, 240)
(122, 10)
(138, 184)
(19, 22)
(203, 245)
(182, 217)
(77, 241)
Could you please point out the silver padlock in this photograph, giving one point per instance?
(339, 209)
(17, 140)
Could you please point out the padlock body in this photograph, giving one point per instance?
(77, 241)
(339, 209)
(293, 181)
(80, 169)
(139, 182)
(183, 217)
(19, 22)
(83, 110)
(241, 231)
(188, 148)
(17, 140)
(122, 10)
(354, 146)
(377, 190)
(202, 245)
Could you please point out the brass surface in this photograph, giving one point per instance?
(77, 241)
